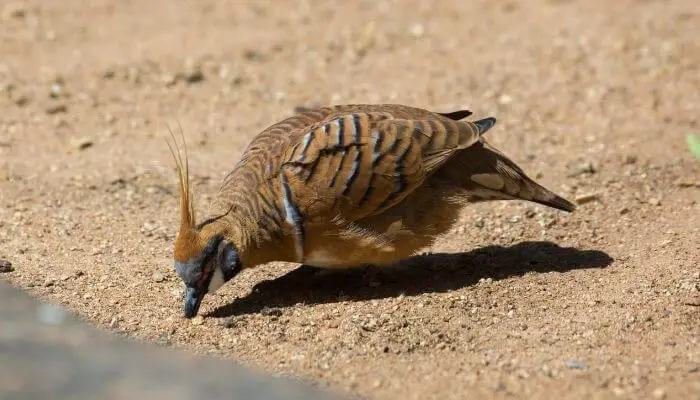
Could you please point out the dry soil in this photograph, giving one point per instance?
(595, 98)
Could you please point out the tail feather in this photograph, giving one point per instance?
(487, 174)
(485, 124)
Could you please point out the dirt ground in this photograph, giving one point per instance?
(595, 98)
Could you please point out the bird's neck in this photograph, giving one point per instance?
(252, 221)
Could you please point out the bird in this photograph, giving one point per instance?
(343, 186)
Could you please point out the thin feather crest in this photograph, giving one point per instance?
(187, 217)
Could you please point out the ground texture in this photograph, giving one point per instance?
(595, 98)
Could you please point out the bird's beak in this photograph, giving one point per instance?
(193, 298)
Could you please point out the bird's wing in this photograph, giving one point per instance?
(358, 164)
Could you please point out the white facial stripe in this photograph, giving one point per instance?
(216, 281)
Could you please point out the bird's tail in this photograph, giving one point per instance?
(487, 174)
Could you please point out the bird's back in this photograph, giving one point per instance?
(379, 180)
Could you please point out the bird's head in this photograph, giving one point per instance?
(204, 258)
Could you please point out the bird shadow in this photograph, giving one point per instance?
(432, 273)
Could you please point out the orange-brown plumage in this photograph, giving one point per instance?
(348, 186)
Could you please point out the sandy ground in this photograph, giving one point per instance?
(594, 98)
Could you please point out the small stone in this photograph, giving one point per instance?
(22, 100)
(685, 183)
(624, 210)
(169, 79)
(253, 55)
(654, 201)
(56, 108)
(14, 10)
(228, 322)
(271, 312)
(109, 73)
(56, 90)
(133, 75)
(158, 277)
(587, 198)
(479, 223)
(417, 30)
(6, 266)
(584, 168)
(49, 282)
(198, 320)
(659, 393)
(82, 143)
(193, 74)
(573, 364)
(505, 99)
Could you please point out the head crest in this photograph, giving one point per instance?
(187, 221)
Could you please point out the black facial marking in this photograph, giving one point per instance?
(192, 272)
(229, 261)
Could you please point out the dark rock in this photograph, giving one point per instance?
(54, 355)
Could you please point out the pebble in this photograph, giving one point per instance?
(169, 79)
(585, 168)
(194, 76)
(228, 322)
(659, 393)
(505, 99)
(82, 143)
(158, 277)
(56, 108)
(654, 201)
(479, 223)
(198, 320)
(573, 364)
(684, 183)
(56, 90)
(14, 10)
(271, 311)
(49, 282)
(6, 266)
(587, 198)
(22, 100)
(417, 30)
